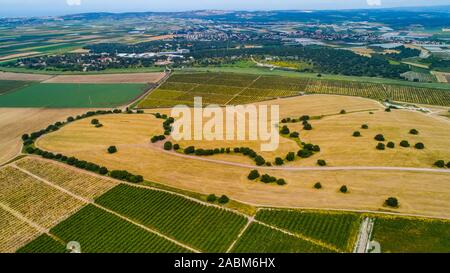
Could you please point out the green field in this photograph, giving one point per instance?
(261, 239)
(43, 244)
(232, 88)
(101, 232)
(206, 228)
(10, 86)
(337, 229)
(410, 235)
(57, 95)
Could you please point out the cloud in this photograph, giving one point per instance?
(374, 2)
(73, 2)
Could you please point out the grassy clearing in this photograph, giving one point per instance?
(337, 229)
(408, 235)
(101, 232)
(261, 239)
(206, 228)
(43, 244)
(58, 95)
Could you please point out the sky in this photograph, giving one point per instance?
(18, 8)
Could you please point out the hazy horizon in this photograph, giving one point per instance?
(15, 8)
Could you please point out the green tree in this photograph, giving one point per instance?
(318, 185)
(413, 132)
(364, 126)
(254, 174)
(404, 144)
(321, 162)
(281, 182)
(343, 189)
(419, 146)
(211, 198)
(95, 122)
(223, 199)
(380, 146)
(112, 149)
(379, 137)
(168, 146)
(391, 145)
(356, 134)
(439, 164)
(391, 202)
(290, 156)
(279, 161)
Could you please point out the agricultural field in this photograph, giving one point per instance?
(60, 95)
(108, 78)
(31, 119)
(14, 232)
(359, 165)
(101, 232)
(229, 88)
(79, 183)
(206, 228)
(43, 244)
(35, 200)
(336, 229)
(262, 239)
(412, 235)
(11, 86)
(8, 76)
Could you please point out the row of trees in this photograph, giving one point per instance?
(265, 178)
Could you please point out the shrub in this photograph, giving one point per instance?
(364, 126)
(168, 146)
(294, 135)
(267, 178)
(379, 137)
(260, 160)
(95, 121)
(281, 182)
(211, 198)
(70, 119)
(387, 110)
(343, 112)
(223, 199)
(439, 164)
(380, 146)
(304, 153)
(103, 170)
(404, 143)
(279, 161)
(29, 150)
(253, 175)
(176, 146)
(284, 130)
(304, 118)
(64, 158)
(419, 146)
(28, 142)
(25, 137)
(268, 164)
(290, 156)
(316, 148)
(321, 162)
(318, 185)
(356, 134)
(391, 145)
(343, 189)
(284, 121)
(189, 150)
(391, 202)
(448, 164)
(307, 127)
(112, 149)
(413, 132)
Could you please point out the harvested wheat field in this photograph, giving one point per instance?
(14, 122)
(23, 76)
(367, 188)
(109, 78)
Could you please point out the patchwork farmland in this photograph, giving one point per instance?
(229, 88)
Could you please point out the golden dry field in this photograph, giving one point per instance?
(14, 122)
(109, 78)
(419, 192)
(9, 76)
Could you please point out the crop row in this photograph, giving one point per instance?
(14, 232)
(43, 244)
(204, 227)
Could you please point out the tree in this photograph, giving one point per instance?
(259, 160)
(103, 170)
(176, 146)
(223, 199)
(70, 119)
(279, 161)
(189, 150)
(321, 162)
(387, 109)
(294, 135)
(343, 112)
(380, 146)
(364, 126)
(413, 132)
(168, 146)
(281, 182)
(318, 185)
(439, 164)
(343, 189)
(448, 164)
(304, 153)
(25, 137)
(307, 127)
(304, 118)
(95, 121)
(284, 130)
(290, 156)
(379, 137)
(29, 150)
(356, 134)
(316, 148)
(390, 145)
(404, 143)
(112, 149)
(253, 175)
(211, 198)
(419, 145)
(391, 202)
